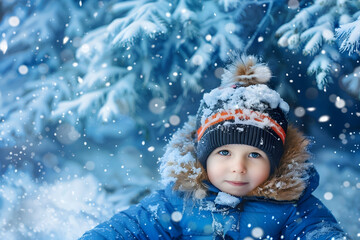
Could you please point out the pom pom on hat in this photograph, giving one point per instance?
(246, 71)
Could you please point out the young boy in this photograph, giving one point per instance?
(236, 171)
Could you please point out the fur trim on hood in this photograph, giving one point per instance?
(180, 167)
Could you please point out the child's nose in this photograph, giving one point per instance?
(239, 166)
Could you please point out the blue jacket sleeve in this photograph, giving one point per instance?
(150, 219)
(310, 219)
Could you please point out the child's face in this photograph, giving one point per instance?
(237, 169)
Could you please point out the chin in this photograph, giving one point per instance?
(237, 194)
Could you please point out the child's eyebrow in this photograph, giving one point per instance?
(256, 150)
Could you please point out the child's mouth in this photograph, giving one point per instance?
(236, 183)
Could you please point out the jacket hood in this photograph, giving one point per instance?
(294, 177)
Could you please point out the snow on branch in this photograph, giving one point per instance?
(315, 37)
(39, 53)
(81, 106)
(29, 114)
(149, 20)
(349, 36)
(175, 44)
(299, 23)
(154, 49)
(351, 83)
(313, 31)
(102, 77)
(120, 99)
(320, 66)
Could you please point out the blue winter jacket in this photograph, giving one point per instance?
(165, 215)
(281, 208)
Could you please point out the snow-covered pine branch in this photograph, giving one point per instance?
(38, 55)
(313, 31)
(156, 41)
(321, 33)
(31, 112)
(37, 26)
(351, 83)
(104, 76)
(320, 66)
(349, 36)
(302, 21)
(121, 99)
(80, 106)
(148, 20)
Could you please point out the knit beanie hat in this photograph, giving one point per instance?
(243, 110)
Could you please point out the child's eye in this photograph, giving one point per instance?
(254, 155)
(224, 152)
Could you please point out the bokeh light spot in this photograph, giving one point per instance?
(176, 216)
(324, 118)
(328, 196)
(174, 120)
(157, 105)
(23, 70)
(299, 111)
(14, 21)
(257, 232)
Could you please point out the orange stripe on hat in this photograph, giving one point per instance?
(242, 115)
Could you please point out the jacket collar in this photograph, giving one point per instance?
(222, 199)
